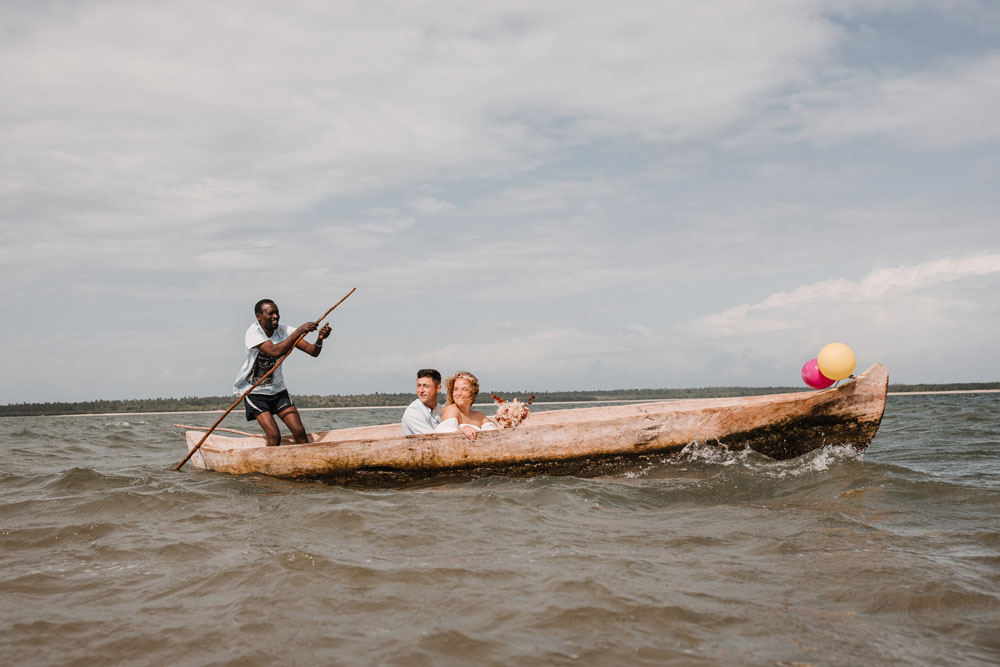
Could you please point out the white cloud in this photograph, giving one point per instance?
(386, 222)
(749, 319)
(539, 359)
(426, 205)
(954, 105)
(203, 112)
(229, 259)
(641, 330)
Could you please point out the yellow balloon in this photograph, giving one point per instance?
(836, 361)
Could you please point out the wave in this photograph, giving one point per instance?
(79, 479)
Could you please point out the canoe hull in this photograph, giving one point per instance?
(582, 442)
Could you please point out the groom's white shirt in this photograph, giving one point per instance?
(419, 418)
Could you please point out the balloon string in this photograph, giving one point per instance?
(849, 377)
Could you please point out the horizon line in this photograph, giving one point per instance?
(403, 407)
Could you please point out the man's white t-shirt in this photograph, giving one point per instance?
(258, 363)
(419, 418)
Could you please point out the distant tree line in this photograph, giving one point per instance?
(207, 403)
(953, 386)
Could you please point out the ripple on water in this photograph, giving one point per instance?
(82, 480)
(48, 537)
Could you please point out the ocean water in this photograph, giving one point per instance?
(107, 556)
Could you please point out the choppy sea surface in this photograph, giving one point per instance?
(107, 556)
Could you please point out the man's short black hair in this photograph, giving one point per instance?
(259, 307)
(429, 373)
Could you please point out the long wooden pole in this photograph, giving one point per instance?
(266, 375)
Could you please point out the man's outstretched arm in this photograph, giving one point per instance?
(279, 349)
(313, 349)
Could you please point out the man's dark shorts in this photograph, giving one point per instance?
(259, 403)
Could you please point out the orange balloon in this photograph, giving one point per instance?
(836, 361)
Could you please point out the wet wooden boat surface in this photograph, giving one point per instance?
(582, 441)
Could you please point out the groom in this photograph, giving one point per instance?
(423, 414)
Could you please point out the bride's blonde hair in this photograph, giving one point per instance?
(463, 375)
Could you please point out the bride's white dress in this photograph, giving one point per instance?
(451, 425)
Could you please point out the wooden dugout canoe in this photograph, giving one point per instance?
(581, 441)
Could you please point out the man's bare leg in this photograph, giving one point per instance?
(294, 423)
(271, 432)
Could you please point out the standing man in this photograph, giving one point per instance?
(266, 341)
(423, 415)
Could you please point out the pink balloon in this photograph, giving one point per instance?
(812, 376)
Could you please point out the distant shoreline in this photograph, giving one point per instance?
(945, 391)
(403, 407)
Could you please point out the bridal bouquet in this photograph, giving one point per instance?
(511, 413)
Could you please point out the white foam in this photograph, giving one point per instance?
(715, 453)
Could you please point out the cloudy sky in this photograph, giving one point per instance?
(553, 195)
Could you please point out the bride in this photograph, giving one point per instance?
(458, 415)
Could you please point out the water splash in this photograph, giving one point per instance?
(716, 454)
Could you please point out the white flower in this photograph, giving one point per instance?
(511, 413)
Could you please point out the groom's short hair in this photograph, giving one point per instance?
(429, 373)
